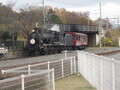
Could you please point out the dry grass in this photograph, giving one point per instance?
(73, 82)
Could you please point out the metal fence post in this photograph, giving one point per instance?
(23, 82)
(49, 69)
(65, 54)
(101, 73)
(48, 65)
(53, 79)
(113, 74)
(78, 64)
(29, 70)
(84, 63)
(2, 71)
(93, 70)
(71, 64)
(62, 68)
(75, 66)
(87, 61)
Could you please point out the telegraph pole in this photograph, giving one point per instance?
(44, 22)
(117, 22)
(100, 26)
(107, 26)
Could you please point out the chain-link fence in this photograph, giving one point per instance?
(103, 73)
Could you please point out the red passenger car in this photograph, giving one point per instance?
(76, 39)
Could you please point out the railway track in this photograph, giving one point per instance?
(31, 60)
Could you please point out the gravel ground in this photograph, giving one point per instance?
(15, 62)
(30, 60)
(102, 50)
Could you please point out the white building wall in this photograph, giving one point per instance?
(97, 39)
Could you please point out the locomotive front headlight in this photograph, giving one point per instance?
(32, 41)
(33, 30)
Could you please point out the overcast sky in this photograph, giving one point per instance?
(110, 8)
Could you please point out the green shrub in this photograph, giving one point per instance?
(106, 42)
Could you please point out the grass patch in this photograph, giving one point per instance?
(73, 82)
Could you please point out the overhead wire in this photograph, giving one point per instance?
(92, 11)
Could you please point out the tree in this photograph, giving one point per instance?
(5, 35)
(28, 17)
(68, 17)
(113, 35)
(7, 19)
(52, 17)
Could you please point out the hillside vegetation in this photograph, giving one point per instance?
(114, 36)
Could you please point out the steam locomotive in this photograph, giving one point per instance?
(44, 42)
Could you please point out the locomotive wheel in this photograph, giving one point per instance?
(46, 52)
(53, 51)
(56, 50)
(50, 52)
(29, 53)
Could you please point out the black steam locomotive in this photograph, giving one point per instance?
(43, 42)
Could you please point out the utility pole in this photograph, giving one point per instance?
(100, 26)
(44, 22)
(117, 22)
(88, 22)
(107, 22)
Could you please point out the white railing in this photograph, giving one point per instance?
(62, 68)
(42, 80)
(103, 73)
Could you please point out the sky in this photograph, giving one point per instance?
(109, 8)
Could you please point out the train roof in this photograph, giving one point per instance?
(76, 33)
